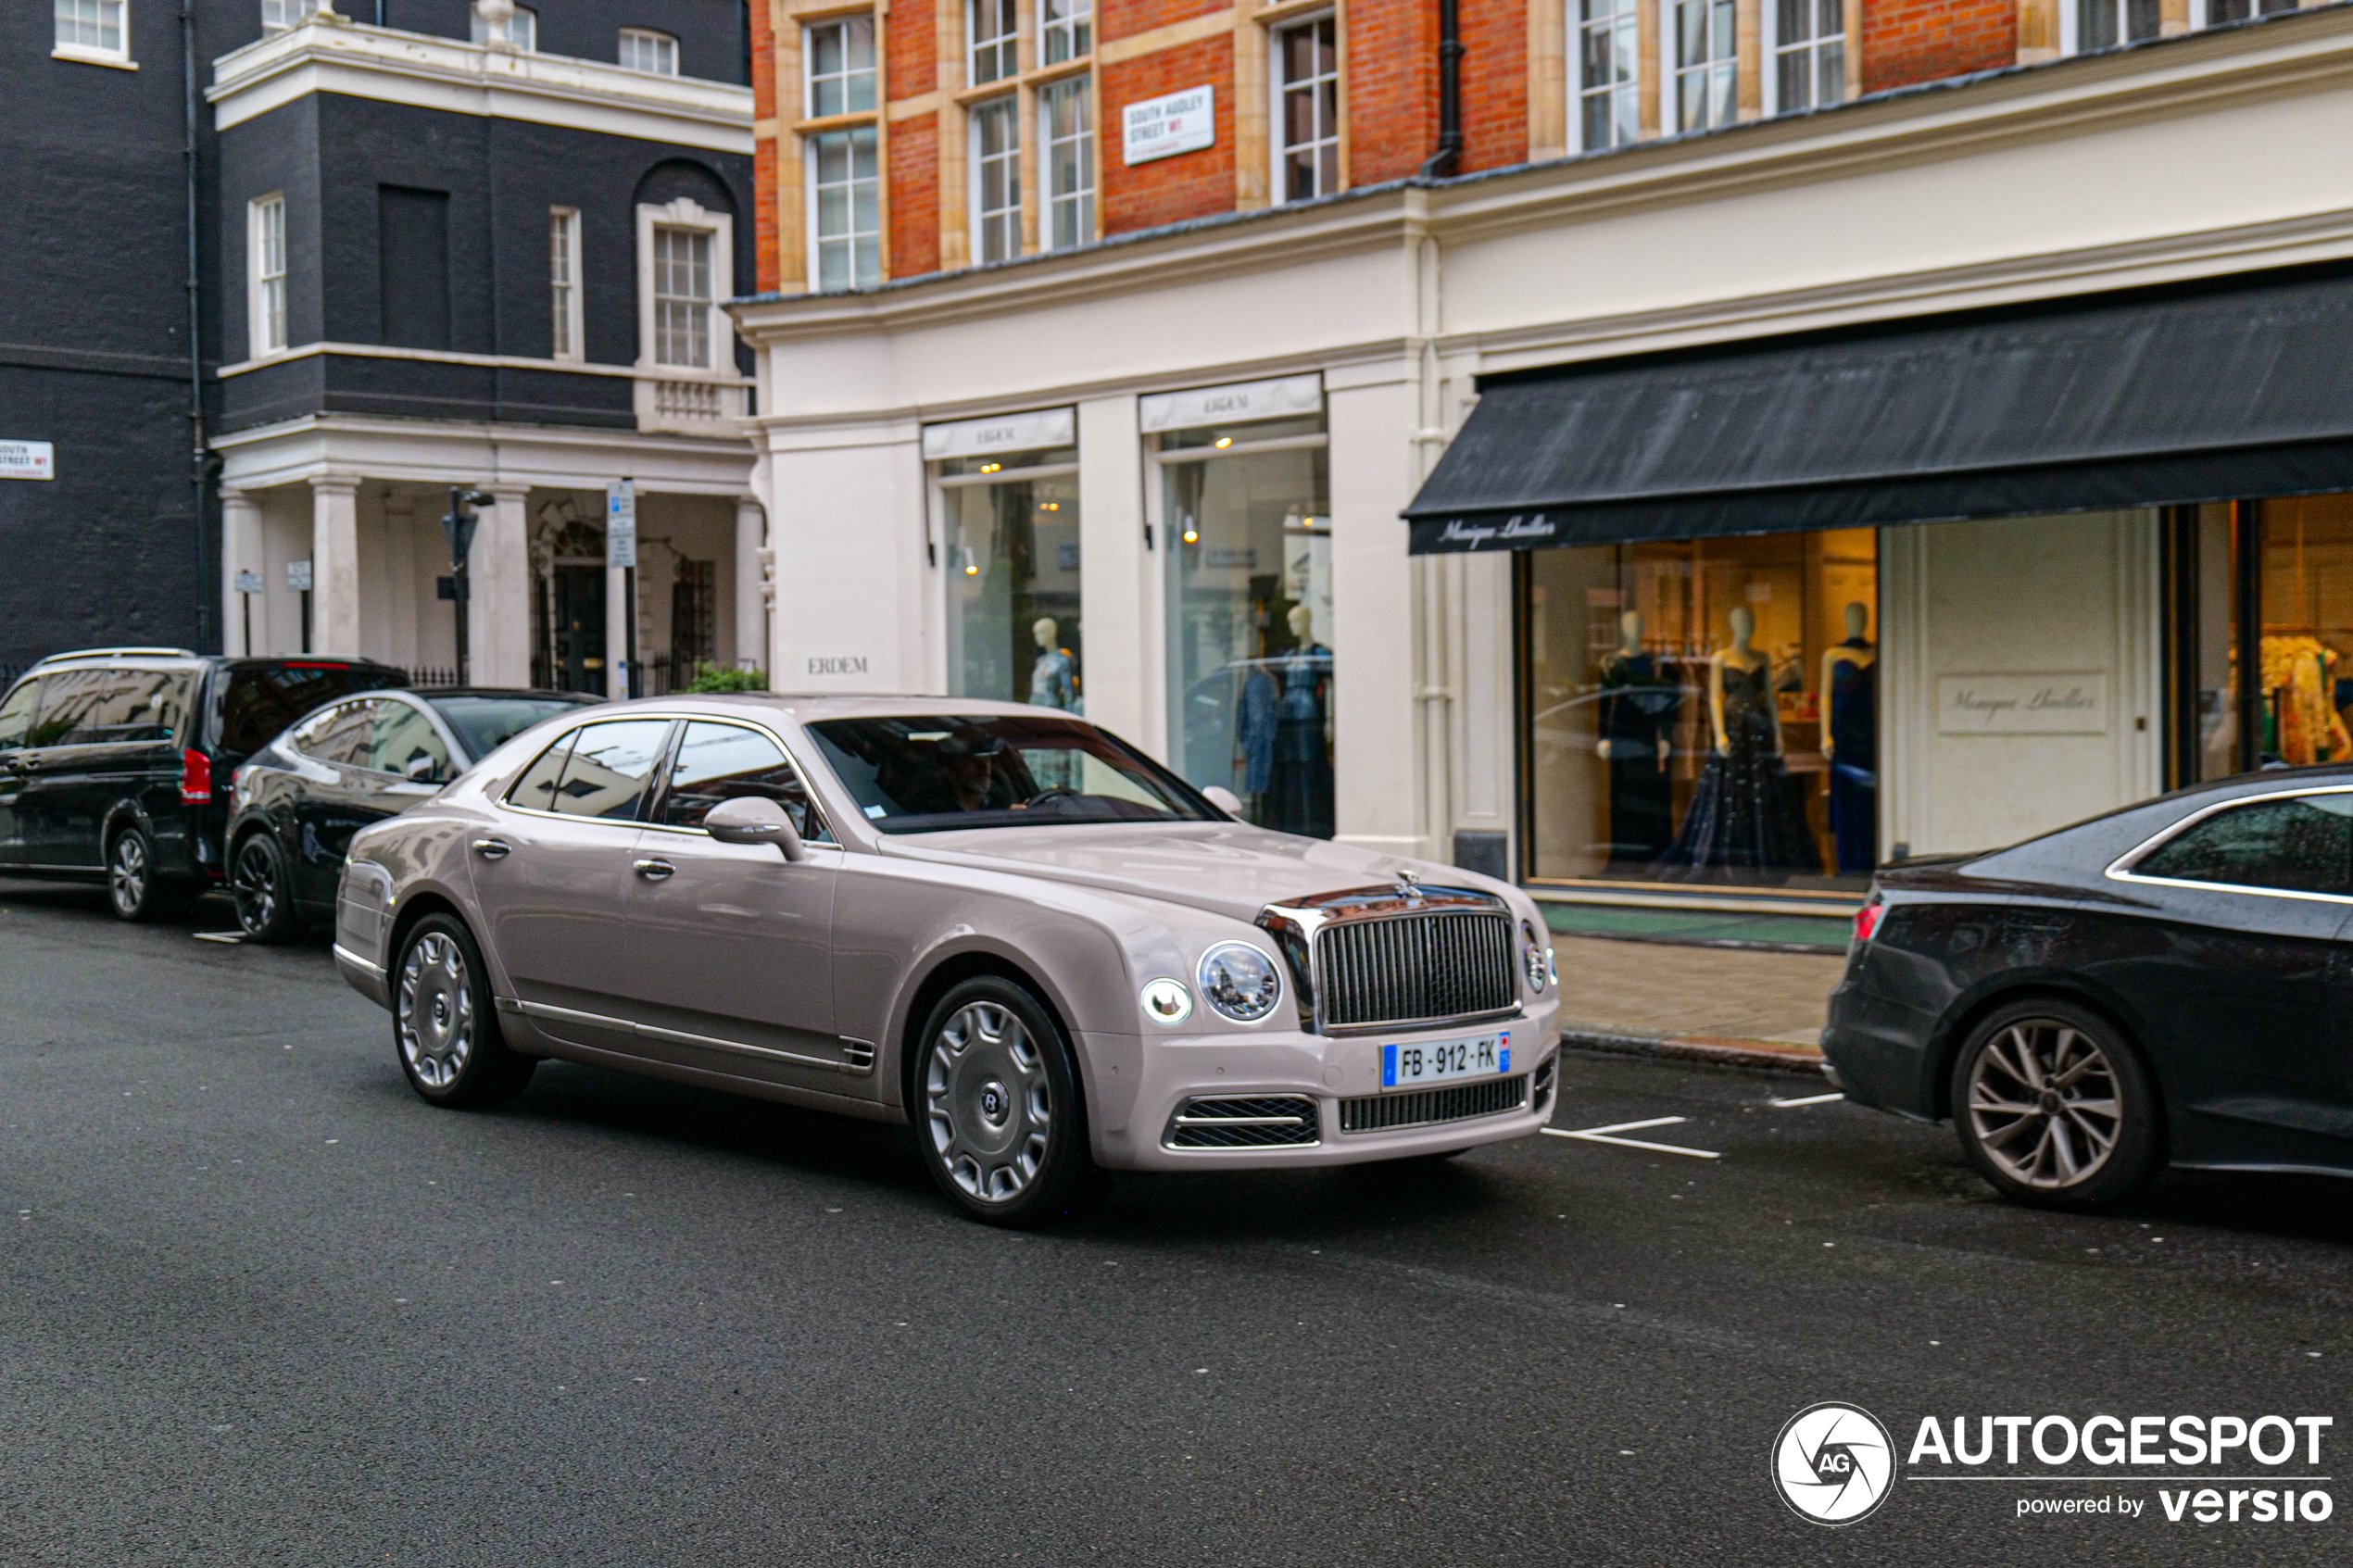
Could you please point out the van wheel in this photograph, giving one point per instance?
(134, 890)
(2054, 1107)
(445, 1023)
(258, 880)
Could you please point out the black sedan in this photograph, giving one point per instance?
(299, 799)
(2169, 983)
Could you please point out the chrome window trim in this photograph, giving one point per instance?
(504, 800)
(2120, 868)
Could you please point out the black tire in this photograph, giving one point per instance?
(263, 893)
(135, 890)
(2055, 1107)
(1000, 1120)
(445, 1021)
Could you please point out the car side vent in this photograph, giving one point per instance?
(858, 1054)
(1543, 1095)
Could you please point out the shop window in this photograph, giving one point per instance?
(996, 160)
(1010, 538)
(1807, 49)
(1246, 510)
(1065, 29)
(1606, 51)
(1307, 109)
(1704, 711)
(1066, 131)
(1703, 56)
(845, 200)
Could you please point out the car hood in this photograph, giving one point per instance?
(1228, 868)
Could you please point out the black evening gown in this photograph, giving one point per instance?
(1300, 797)
(1746, 823)
(1637, 715)
(1854, 704)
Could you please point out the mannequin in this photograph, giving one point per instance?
(1636, 717)
(1053, 679)
(1744, 822)
(1299, 797)
(1850, 743)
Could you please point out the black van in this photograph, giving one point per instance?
(116, 762)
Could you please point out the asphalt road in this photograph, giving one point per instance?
(259, 1305)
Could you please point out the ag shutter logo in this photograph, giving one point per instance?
(1833, 1463)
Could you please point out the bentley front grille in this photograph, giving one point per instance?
(1423, 1107)
(1415, 969)
(1250, 1122)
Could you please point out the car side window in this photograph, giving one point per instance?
(140, 706)
(404, 745)
(610, 767)
(718, 762)
(16, 714)
(537, 788)
(341, 735)
(69, 704)
(2297, 844)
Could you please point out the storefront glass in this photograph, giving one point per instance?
(2296, 555)
(1704, 710)
(1248, 513)
(1010, 526)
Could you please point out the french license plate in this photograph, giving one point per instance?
(1441, 1061)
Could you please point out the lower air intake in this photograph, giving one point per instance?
(1252, 1122)
(1423, 1107)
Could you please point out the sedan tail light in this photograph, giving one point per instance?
(195, 776)
(1866, 920)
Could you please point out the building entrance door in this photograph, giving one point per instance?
(580, 627)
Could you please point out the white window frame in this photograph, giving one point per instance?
(93, 54)
(663, 45)
(1083, 196)
(519, 32)
(687, 213)
(1009, 108)
(267, 327)
(1769, 45)
(1002, 50)
(567, 309)
(277, 16)
(1275, 85)
(849, 27)
(1629, 14)
(2071, 24)
(1075, 33)
(818, 240)
(1670, 105)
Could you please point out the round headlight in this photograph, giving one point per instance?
(1240, 982)
(1168, 1001)
(1534, 957)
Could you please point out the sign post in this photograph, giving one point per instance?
(248, 585)
(458, 526)
(298, 579)
(621, 550)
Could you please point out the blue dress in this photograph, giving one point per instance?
(1853, 725)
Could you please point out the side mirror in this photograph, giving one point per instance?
(754, 819)
(1225, 800)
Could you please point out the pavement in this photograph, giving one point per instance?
(1737, 1006)
(259, 1305)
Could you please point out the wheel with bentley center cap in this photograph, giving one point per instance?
(445, 1023)
(998, 1114)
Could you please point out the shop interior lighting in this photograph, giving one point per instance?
(1050, 506)
(1225, 441)
(972, 566)
(992, 468)
(1191, 537)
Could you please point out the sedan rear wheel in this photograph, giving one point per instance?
(445, 1023)
(2054, 1107)
(1000, 1120)
(257, 881)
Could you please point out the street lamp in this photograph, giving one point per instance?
(459, 526)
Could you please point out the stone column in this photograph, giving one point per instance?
(335, 565)
(498, 616)
(245, 629)
(751, 606)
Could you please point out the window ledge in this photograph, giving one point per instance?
(81, 54)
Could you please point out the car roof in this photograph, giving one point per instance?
(809, 709)
(434, 694)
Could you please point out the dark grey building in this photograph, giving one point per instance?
(435, 244)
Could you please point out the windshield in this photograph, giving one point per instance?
(980, 771)
(485, 723)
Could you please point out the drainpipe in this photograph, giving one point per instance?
(1450, 91)
(200, 453)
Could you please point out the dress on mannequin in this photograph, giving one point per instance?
(1053, 683)
(1744, 822)
(1853, 697)
(1299, 795)
(1637, 719)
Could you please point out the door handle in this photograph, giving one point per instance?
(493, 848)
(655, 871)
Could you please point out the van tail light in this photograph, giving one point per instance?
(195, 776)
(1866, 920)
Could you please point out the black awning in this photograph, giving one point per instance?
(2134, 400)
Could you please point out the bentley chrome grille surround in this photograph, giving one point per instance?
(1398, 956)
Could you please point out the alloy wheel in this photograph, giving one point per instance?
(2045, 1104)
(127, 873)
(436, 1010)
(987, 1103)
(254, 885)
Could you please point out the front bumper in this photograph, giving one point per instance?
(363, 975)
(1172, 1070)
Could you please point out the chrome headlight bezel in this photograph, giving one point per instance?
(1228, 995)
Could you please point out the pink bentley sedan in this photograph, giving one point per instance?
(999, 924)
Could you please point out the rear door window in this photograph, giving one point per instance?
(16, 714)
(406, 744)
(537, 788)
(141, 707)
(342, 734)
(2299, 844)
(611, 767)
(260, 700)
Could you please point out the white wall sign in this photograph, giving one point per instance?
(298, 576)
(27, 459)
(248, 582)
(1180, 122)
(2070, 702)
(1007, 432)
(1284, 396)
(620, 522)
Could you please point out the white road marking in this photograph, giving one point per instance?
(1602, 1135)
(1805, 1099)
(232, 937)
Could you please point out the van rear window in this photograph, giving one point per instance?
(261, 699)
